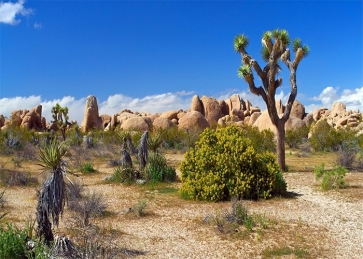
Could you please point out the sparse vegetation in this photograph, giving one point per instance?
(87, 168)
(332, 179)
(90, 226)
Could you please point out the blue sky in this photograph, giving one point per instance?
(155, 55)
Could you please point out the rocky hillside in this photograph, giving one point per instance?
(203, 112)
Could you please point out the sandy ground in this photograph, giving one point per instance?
(324, 224)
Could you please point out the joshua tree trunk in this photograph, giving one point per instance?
(280, 145)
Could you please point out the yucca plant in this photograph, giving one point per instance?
(53, 193)
(154, 142)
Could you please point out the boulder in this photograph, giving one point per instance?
(248, 105)
(263, 122)
(105, 120)
(162, 123)
(234, 102)
(125, 115)
(33, 119)
(154, 116)
(338, 108)
(197, 105)
(91, 117)
(298, 110)
(137, 123)
(342, 121)
(319, 113)
(294, 123)
(254, 109)
(193, 120)
(238, 113)
(308, 119)
(170, 115)
(181, 114)
(224, 107)
(212, 110)
(254, 117)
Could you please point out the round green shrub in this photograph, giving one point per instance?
(224, 164)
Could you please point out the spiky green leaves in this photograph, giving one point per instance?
(51, 156)
(265, 53)
(297, 44)
(240, 42)
(244, 71)
(282, 35)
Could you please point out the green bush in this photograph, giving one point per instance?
(12, 242)
(326, 138)
(295, 137)
(261, 140)
(332, 179)
(87, 168)
(225, 163)
(123, 175)
(158, 170)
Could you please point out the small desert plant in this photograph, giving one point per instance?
(28, 151)
(138, 209)
(332, 179)
(154, 142)
(123, 175)
(158, 170)
(229, 221)
(87, 206)
(87, 168)
(346, 157)
(17, 178)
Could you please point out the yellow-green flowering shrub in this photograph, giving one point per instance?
(224, 163)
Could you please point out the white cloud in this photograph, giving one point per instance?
(152, 103)
(353, 99)
(9, 11)
(38, 26)
(114, 104)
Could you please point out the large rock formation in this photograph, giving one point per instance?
(212, 110)
(33, 119)
(197, 104)
(193, 120)
(91, 119)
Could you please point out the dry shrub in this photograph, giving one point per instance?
(17, 178)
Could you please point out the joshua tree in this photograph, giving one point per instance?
(274, 47)
(60, 116)
(53, 193)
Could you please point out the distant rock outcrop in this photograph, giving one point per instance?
(91, 119)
